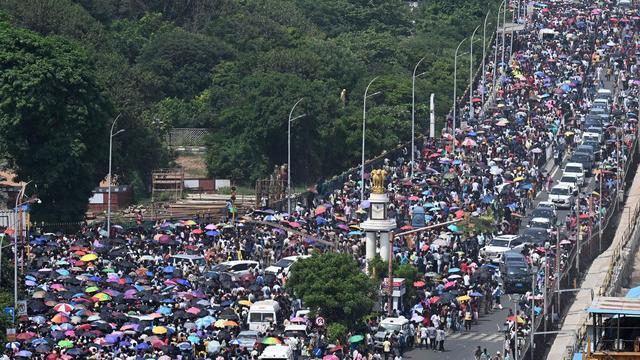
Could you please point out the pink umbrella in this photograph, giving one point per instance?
(330, 357)
(193, 310)
(413, 198)
(63, 308)
(449, 284)
(298, 319)
(321, 210)
(70, 333)
(294, 224)
(210, 227)
(343, 227)
(596, 11)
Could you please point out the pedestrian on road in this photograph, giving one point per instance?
(424, 337)
(431, 331)
(485, 355)
(497, 294)
(440, 337)
(497, 356)
(477, 353)
(467, 319)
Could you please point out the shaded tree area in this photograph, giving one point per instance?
(237, 67)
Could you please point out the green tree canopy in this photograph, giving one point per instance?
(53, 120)
(333, 285)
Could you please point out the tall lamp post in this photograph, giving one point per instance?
(289, 152)
(455, 86)
(471, 115)
(413, 115)
(364, 128)
(18, 210)
(484, 73)
(111, 135)
(495, 54)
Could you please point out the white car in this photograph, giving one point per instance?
(540, 222)
(285, 264)
(562, 196)
(499, 245)
(237, 268)
(575, 169)
(570, 180)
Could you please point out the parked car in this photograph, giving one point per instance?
(562, 196)
(237, 268)
(575, 169)
(248, 339)
(391, 325)
(500, 244)
(570, 180)
(516, 274)
(536, 236)
(285, 264)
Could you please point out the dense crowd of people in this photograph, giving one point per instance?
(100, 295)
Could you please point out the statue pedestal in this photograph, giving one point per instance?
(378, 223)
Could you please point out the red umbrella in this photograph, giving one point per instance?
(476, 100)
(25, 335)
(406, 227)
(419, 284)
(197, 231)
(459, 214)
(584, 216)
(434, 299)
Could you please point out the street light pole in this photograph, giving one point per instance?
(471, 115)
(289, 152)
(413, 116)
(495, 54)
(455, 86)
(111, 135)
(364, 128)
(484, 74)
(504, 23)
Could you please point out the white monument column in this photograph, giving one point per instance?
(378, 221)
(370, 246)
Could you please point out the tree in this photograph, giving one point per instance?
(53, 120)
(333, 285)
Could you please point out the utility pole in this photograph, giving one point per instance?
(578, 234)
(515, 322)
(390, 298)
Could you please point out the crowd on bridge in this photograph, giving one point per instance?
(117, 294)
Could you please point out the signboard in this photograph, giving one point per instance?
(21, 308)
(11, 334)
(399, 286)
(320, 321)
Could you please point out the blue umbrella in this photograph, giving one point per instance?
(472, 133)
(452, 228)
(476, 294)
(184, 346)
(270, 218)
(320, 220)
(193, 339)
(164, 310)
(143, 346)
(226, 303)
(428, 218)
(183, 282)
(365, 204)
(457, 162)
(354, 233)
(214, 232)
(168, 269)
(454, 270)
(426, 192)
(24, 353)
(487, 199)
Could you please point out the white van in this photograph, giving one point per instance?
(299, 331)
(576, 170)
(277, 352)
(263, 314)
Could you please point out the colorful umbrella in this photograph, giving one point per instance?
(271, 341)
(159, 330)
(89, 257)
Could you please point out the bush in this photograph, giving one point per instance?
(337, 332)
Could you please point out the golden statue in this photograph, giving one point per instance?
(377, 179)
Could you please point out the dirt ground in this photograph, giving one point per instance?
(193, 164)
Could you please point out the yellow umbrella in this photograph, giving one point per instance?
(159, 330)
(219, 323)
(569, 133)
(245, 303)
(464, 298)
(190, 222)
(89, 257)
(519, 178)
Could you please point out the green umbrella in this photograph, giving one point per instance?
(356, 338)
(91, 289)
(271, 341)
(108, 270)
(65, 344)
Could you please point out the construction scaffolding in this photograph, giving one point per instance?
(169, 182)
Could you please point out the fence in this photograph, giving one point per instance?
(187, 137)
